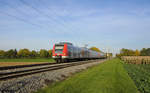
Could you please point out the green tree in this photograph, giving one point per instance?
(24, 53)
(148, 52)
(15, 53)
(44, 53)
(11, 53)
(95, 49)
(2, 53)
(33, 54)
(145, 52)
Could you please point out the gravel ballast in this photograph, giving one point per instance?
(32, 83)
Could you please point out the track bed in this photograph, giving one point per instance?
(8, 72)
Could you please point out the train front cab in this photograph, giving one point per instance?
(60, 53)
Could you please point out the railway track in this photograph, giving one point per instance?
(19, 71)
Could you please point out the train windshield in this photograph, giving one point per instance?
(59, 48)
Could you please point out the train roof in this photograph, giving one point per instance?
(68, 43)
(62, 43)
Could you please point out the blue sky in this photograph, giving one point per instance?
(37, 24)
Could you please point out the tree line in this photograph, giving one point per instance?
(130, 52)
(25, 53)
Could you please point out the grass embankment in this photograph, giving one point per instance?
(28, 60)
(108, 77)
(140, 75)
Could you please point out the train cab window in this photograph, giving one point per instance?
(59, 48)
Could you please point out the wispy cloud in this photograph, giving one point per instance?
(101, 23)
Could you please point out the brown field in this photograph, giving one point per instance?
(19, 63)
(136, 59)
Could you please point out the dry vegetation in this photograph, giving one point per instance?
(136, 59)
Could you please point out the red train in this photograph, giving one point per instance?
(64, 51)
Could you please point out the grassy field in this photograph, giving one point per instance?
(28, 60)
(108, 77)
(140, 75)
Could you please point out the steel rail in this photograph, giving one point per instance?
(16, 74)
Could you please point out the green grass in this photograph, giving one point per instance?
(28, 60)
(108, 77)
(140, 75)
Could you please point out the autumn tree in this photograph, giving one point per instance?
(44, 53)
(127, 52)
(24, 53)
(137, 52)
(95, 49)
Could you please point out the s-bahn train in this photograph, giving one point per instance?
(65, 51)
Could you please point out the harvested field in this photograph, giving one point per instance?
(28, 60)
(19, 63)
(136, 59)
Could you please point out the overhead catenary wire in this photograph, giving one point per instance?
(40, 12)
(20, 19)
(52, 11)
(37, 24)
(52, 20)
(63, 21)
(17, 18)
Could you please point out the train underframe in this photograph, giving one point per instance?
(63, 60)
